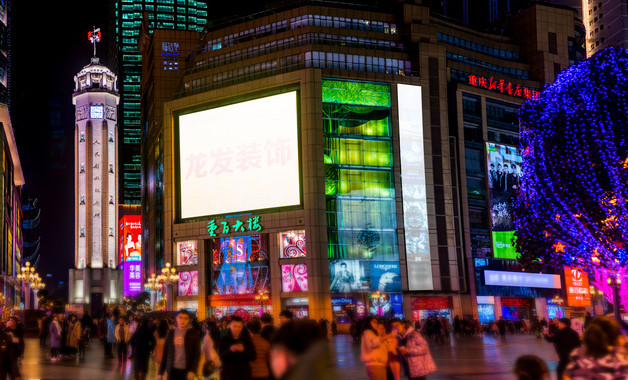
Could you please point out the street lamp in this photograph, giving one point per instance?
(168, 276)
(27, 275)
(262, 297)
(153, 284)
(615, 285)
(595, 293)
(37, 285)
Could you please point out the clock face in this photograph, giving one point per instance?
(96, 112)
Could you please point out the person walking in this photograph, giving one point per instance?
(268, 329)
(73, 336)
(501, 327)
(181, 353)
(374, 350)
(132, 327)
(211, 359)
(110, 336)
(415, 350)
(55, 338)
(604, 354)
(16, 333)
(259, 366)
(565, 340)
(8, 358)
(236, 351)
(160, 337)
(142, 343)
(122, 339)
(41, 327)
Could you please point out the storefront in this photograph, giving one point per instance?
(517, 309)
(242, 305)
(424, 307)
(347, 309)
(486, 309)
(298, 306)
(555, 308)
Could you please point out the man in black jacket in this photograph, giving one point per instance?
(8, 358)
(182, 350)
(565, 340)
(236, 351)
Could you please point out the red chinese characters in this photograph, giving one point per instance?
(500, 85)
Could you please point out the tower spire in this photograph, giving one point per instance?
(94, 36)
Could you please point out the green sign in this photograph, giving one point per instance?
(251, 225)
(503, 248)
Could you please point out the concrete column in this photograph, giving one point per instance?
(27, 296)
(169, 295)
(35, 300)
(153, 299)
(497, 307)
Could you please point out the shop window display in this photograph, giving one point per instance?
(292, 244)
(294, 278)
(188, 283)
(187, 252)
(240, 265)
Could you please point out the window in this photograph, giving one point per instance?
(552, 43)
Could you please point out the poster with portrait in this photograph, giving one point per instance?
(504, 173)
(385, 276)
(387, 306)
(347, 276)
(130, 238)
(294, 278)
(187, 252)
(188, 283)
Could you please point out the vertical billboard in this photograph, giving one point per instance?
(240, 265)
(577, 287)
(504, 172)
(130, 238)
(130, 254)
(187, 252)
(413, 188)
(188, 283)
(294, 278)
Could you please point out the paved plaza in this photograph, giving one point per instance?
(462, 359)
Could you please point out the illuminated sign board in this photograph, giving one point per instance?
(130, 238)
(188, 283)
(251, 224)
(413, 188)
(577, 287)
(502, 86)
(187, 252)
(240, 157)
(132, 278)
(522, 279)
(294, 278)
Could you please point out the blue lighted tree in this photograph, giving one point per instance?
(572, 207)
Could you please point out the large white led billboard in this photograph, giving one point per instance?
(240, 157)
(417, 233)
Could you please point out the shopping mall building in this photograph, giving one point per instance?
(337, 159)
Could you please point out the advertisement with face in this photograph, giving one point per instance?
(348, 276)
(385, 276)
(504, 173)
(187, 252)
(294, 278)
(387, 306)
(130, 237)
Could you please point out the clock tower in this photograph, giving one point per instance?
(95, 279)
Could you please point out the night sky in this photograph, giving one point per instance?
(49, 46)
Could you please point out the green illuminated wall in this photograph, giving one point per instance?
(359, 183)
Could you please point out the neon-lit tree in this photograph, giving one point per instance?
(572, 207)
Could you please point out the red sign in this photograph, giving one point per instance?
(130, 238)
(502, 86)
(431, 303)
(516, 302)
(577, 287)
(235, 300)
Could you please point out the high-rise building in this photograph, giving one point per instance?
(5, 51)
(96, 279)
(127, 17)
(606, 23)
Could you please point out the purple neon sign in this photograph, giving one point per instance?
(132, 278)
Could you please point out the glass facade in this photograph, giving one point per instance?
(360, 189)
(162, 14)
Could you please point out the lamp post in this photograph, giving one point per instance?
(153, 286)
(37, 285)
(27, 275)
(261, 297)
(615, 285)
(595, 294)
(168, 276)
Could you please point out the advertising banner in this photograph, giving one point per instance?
(187, 252)
(130, 238)
(294, 278)
(132, 278)
(431, 303)
(388, 306)
(292, 244)
(347, 276)
(385, 276)
(520, 279)
(504, 172)
(577, 287)
(188, 283)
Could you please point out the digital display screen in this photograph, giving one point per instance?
(577, 287)
(385, 276)
(348, 276)
(240, 265)
(504, 172)
(240, 157)
(132, 278)
(130, 238)
(188, 283)
(294, 278)
(521, 279)
(187, 252)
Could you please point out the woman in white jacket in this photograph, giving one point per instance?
(374, 350)
(416, 351)
(210, 356)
